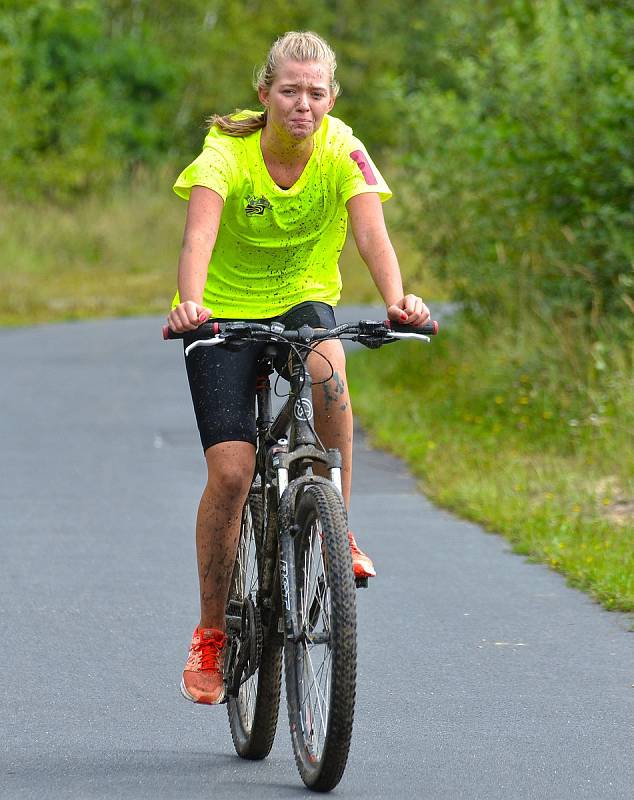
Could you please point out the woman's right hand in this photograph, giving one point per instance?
(187, 316)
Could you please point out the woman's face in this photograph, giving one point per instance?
(298, 99)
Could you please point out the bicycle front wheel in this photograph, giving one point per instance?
(253, 712)
(320, 662)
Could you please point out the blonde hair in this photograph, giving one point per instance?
(293, 46)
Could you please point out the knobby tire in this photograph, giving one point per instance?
(253, 714)
(321, 677)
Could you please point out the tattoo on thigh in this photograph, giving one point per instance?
(328, 398)
(338, 381)
(334, 390)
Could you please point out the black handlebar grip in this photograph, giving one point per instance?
(211, 328)
(428, 329)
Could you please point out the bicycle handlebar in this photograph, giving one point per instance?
(367, 329)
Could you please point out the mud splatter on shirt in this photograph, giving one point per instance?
(277, 247)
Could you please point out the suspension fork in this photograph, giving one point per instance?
(287, 531)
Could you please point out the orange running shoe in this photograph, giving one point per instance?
(202, 680)
(361, 563)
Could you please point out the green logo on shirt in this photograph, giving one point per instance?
(256, 205)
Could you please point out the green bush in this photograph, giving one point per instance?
(92, 89)
(522, 175)
(79, 110)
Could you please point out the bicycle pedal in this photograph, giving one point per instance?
(361, 583)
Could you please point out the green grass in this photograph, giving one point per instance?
(490, 441)
(109, 256)
(115, 256)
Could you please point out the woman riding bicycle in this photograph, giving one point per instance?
(269, 199)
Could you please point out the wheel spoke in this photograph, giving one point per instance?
(253, 710)
(320, 697)
(245, 586)
(314, 610)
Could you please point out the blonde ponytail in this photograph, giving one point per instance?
(237, 124)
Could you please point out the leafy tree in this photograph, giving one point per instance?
(80, 109)
(524, 171)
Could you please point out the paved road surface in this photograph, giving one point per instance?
(481, 676)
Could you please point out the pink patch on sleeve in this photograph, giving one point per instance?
(366, 170)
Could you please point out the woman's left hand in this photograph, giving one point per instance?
(409, 311)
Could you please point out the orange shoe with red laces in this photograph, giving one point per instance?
(203, 680)
(361, 563)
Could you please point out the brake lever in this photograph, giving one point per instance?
(205, 343)
(393, 335)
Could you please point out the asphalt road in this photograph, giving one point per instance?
(481, 676)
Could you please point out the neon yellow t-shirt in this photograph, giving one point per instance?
(279, 247)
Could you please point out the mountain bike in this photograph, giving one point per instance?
(293, 587)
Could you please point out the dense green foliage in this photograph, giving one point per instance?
(80, 109)
(514, 122)
(95, 88)
(524, 169)
(521, 190)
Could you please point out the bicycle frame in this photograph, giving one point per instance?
(287, 449)
(293, 427)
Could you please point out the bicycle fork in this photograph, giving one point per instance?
(287, 462)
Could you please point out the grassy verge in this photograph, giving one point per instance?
(106, 256)
(491, 441)
(114, 256)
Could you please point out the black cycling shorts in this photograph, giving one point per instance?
(222, 381)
